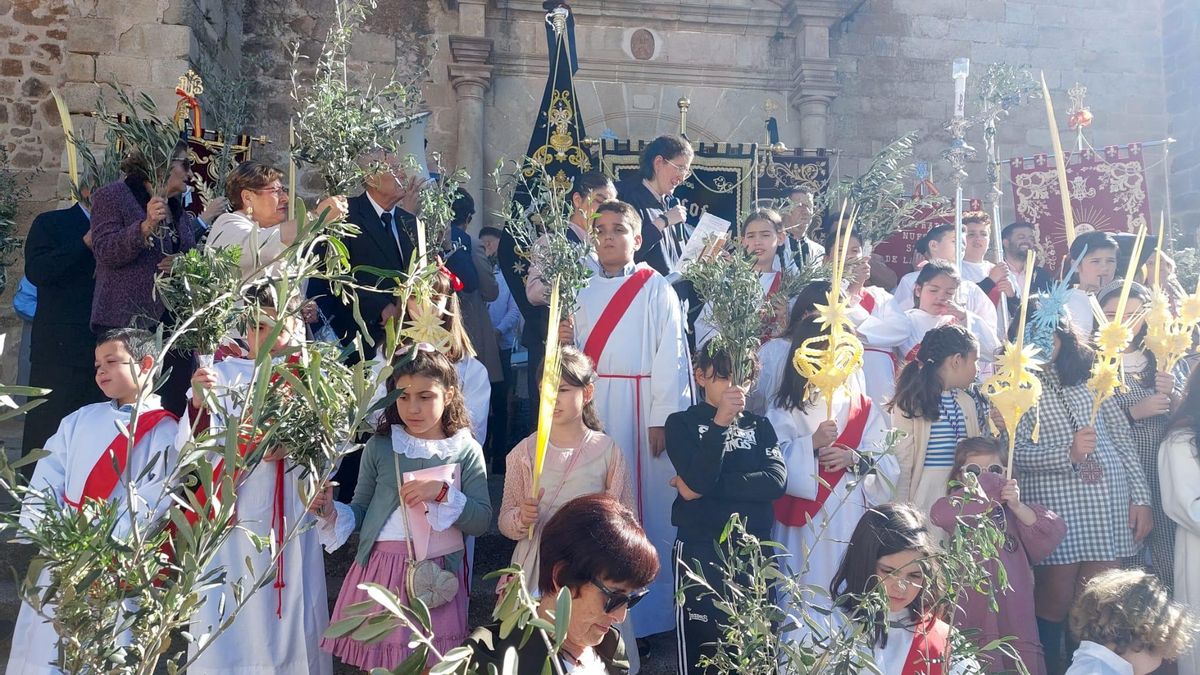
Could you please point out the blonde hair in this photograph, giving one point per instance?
(1130, 610)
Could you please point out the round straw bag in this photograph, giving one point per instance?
(424, 579)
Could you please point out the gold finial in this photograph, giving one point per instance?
(684, 104)
(191, 84)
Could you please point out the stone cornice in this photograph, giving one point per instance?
(814, 78)
(650, 72)
(826, 11)
(469, 49)
(667, 16)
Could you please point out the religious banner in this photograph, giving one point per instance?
(212, 155)
(1108, 192)
(779, 173)
(897, 250)
(722, 181)
(558, 132)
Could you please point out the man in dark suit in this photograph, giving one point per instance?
(386, 214)
(59, 261)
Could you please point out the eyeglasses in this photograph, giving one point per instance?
(684, 172)
(614, 600)
(277, 190)
(975, 469)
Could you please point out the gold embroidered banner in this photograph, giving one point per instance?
(1108, 192)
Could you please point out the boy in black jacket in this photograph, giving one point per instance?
(720, 472)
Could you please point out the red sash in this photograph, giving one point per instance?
(797, 512)
(775, 284)
(930, 645)
(108, 469)
(867, 301)
(613, 313)
(246, 445)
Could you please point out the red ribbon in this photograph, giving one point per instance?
(456, 284)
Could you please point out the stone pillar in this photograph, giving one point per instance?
(471, 75)
(814, 78)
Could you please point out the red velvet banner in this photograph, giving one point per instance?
(897, 250)
(1108, 192)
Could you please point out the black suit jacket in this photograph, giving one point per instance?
(373, 247)
(64, 271)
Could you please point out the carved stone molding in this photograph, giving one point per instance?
(471, 70)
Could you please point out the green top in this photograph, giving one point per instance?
(376, 496)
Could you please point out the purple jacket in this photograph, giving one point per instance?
(125, 264)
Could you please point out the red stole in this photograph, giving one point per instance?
(107, 471)
(797, 512)
(614, 312)
(930, 645)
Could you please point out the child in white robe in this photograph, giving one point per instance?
(280, 626)
(939, 243)
(837, 466)
(630, 324)
(879, 363)
(761, 236)
(1179, 467)
(936, 286)
(83, 448)
(890, 548)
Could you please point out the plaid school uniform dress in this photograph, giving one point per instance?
(1093, 497)
(1146, 435)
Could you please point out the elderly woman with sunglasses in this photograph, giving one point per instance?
(606, 573)
(258, 219)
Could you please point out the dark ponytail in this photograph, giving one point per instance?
(1073, 363)
(919, 388)
(802, 325)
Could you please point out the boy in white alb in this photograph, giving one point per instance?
(279, 629)
(629, 323)
(80, 467)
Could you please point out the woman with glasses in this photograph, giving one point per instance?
(606, 573)
(258, 217)
(137, 228)
(978, 490)
(665, 163)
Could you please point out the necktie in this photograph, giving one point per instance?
(386, 219)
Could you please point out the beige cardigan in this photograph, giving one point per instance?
(911, 448)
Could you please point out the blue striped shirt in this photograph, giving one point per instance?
(945, 433)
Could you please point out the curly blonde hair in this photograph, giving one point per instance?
(1129, 610)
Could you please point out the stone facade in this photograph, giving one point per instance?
(835, 74)
(1180, 45)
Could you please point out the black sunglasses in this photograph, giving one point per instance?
(614, 600)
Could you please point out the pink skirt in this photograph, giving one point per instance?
(386, 567)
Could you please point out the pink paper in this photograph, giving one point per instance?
(427, 542)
